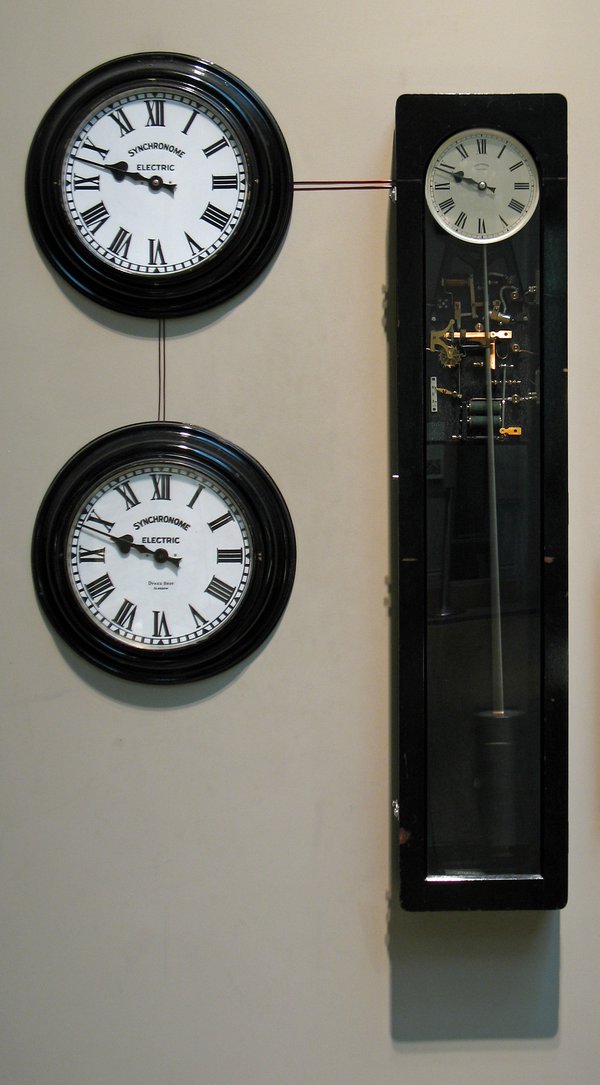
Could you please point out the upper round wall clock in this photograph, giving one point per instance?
(159, 185)
(482, 185)
(162, 553)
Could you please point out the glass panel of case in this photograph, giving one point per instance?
(483, 530)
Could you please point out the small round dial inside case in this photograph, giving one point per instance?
(482, 185)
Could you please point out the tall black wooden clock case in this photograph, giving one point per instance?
(481, 500)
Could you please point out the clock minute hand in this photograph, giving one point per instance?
(443, 168)
(161, 556)
(125, 543)
(459, 177)
(481, 185)
(121, 171)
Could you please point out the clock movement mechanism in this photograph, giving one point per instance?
(456, 350)
(482, 368)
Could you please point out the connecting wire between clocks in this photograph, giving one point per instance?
(336, 186)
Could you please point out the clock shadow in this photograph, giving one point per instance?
(465, 975)
(151, 696)
(146, 327)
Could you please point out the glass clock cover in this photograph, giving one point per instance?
(162, 553)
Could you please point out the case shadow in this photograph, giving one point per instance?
(473, 976)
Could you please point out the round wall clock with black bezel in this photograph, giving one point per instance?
(159, 185)
(162, 553)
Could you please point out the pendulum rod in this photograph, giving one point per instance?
(496, 615)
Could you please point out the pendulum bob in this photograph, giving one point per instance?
(499, 738)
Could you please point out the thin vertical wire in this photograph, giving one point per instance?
(162, 370)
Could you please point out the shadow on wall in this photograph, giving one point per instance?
(473, 975)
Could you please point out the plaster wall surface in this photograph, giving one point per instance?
(195, 884)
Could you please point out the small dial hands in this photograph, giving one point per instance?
(121, 172)
(459, 177)
(481, 185)
(125, 543)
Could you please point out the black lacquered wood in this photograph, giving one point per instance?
(423, 122)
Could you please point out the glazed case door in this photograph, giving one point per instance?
(481, 518)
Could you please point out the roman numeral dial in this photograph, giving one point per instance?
(149, 161)
(176, 555)
(482, 186)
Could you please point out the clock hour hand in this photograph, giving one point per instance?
(459, 177)
(160, 556)
(481, 185)
(121, 171)
(125, 543)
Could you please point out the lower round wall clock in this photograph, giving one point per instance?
(162, 553)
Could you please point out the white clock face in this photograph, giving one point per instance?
(155, 182)
(160, 555)
(482, 185)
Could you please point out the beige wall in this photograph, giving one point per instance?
(194, 884)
